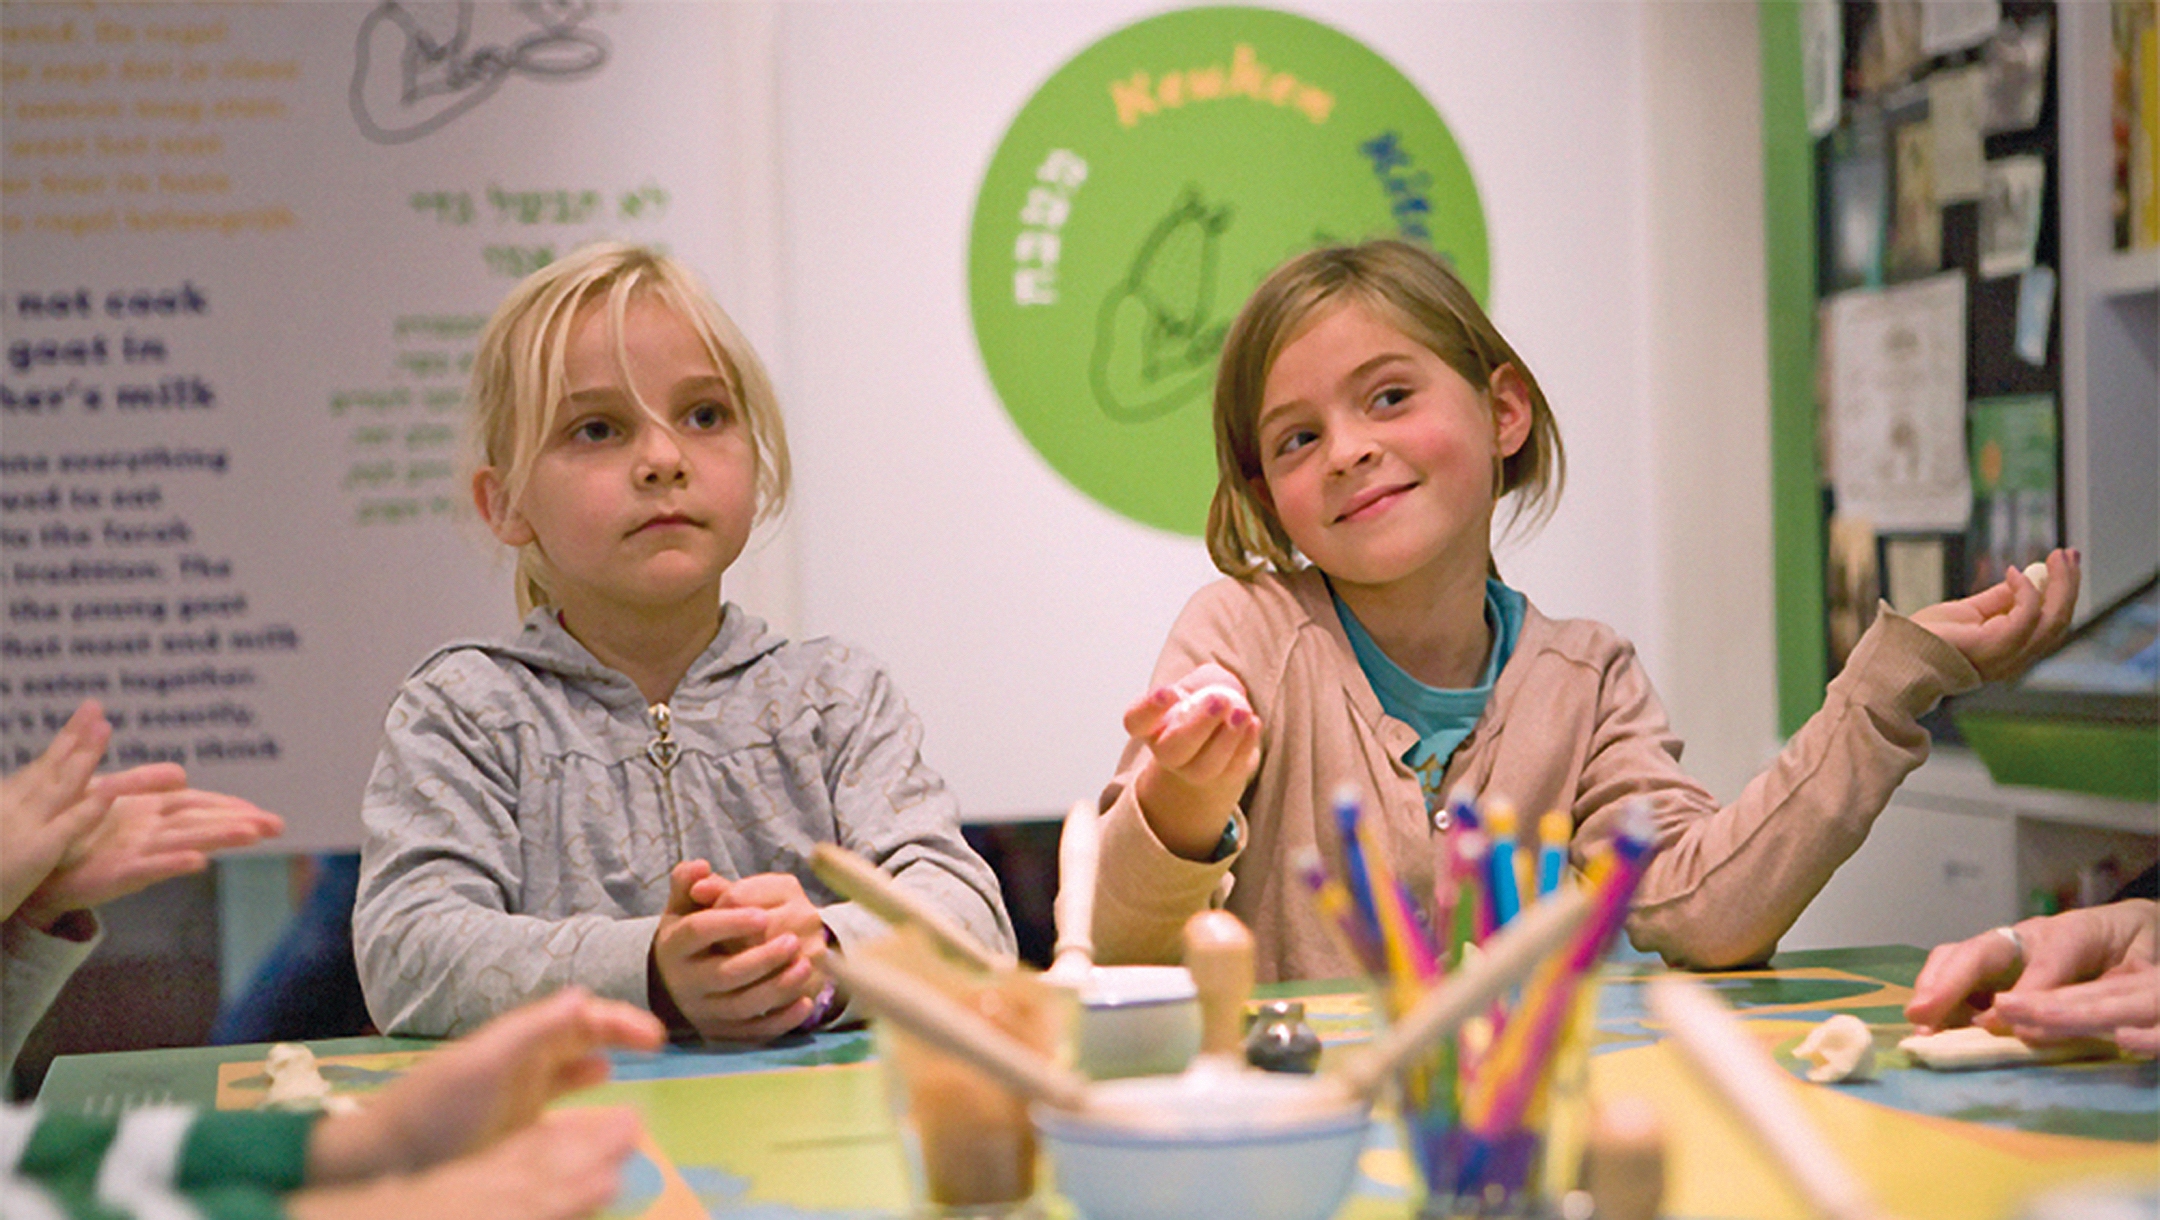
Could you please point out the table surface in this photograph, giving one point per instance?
(802, 1131)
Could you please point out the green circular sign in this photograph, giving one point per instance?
(1142, 194)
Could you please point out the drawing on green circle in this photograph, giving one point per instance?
(1143, 192)
(1157, 339)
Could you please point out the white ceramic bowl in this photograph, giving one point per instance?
(1137, 1021)
(1205, 1146)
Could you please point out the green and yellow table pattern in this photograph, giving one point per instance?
(802, 1131)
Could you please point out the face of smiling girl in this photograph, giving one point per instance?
(634, 514)
(1378, 458)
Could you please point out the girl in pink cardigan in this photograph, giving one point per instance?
(1368, 420)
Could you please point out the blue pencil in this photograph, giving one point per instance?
(1500, 864)
(1355, 875)
(1553, 832)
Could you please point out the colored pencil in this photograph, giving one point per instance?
(1500, 865)
(1338, 914)
(1554, 830)
(1520, 1062)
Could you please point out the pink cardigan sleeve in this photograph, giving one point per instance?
(1144, 892)
(1728, 882)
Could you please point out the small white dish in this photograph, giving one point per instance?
(1137, 1021)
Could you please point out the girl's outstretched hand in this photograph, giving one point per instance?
(153, 829)
(2009, 625)
(1203, 745)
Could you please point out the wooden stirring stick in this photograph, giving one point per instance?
(950, 1026)
(1743, 1074)
(1078, 849)
(865, 883)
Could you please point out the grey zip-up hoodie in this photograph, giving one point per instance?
(527, 807)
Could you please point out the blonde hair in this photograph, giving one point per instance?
(518, 385)
(1410, 288)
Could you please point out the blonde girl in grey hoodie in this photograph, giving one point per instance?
(626, 794)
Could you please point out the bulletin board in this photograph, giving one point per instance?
(1912, 165)
(248, 250)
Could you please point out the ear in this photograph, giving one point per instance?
(1512, 413)
(503, 521)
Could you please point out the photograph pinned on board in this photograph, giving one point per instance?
(2015, 458)
(1955, 98)
(1889, 45)
(1822, 55)
(2035, 314)
(1851, 586)
(2016, 61)
(2011, 194)
(1859, 201)
(1912, 572)
(1953, 25)
(1916, 222)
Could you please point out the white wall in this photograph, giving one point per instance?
(1019, 617)
(1709, 476)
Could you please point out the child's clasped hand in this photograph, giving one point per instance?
(738, 958)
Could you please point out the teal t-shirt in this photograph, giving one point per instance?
(1442, 718)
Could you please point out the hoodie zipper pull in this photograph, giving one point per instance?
(662, 749)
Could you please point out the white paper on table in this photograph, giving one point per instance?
(1955, 100)
(1897, 405)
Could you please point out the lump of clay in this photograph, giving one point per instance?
(1841, 1048)
(1187, 709)
(1970, 1047)
(296, 1083)
(2037, 573)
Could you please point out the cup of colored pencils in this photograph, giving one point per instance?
(1494, 1116)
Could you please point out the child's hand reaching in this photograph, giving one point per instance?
(47, 805)
(744, 970)
(2009, 625)
(153, 829)
(481, 1089)
(1203, 744)
(464, 1133)
(2087, 972)
(565, 1166)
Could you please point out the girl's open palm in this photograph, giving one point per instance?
(2007, 626)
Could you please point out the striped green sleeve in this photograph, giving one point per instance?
(156, 1161)
(263, 1149)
